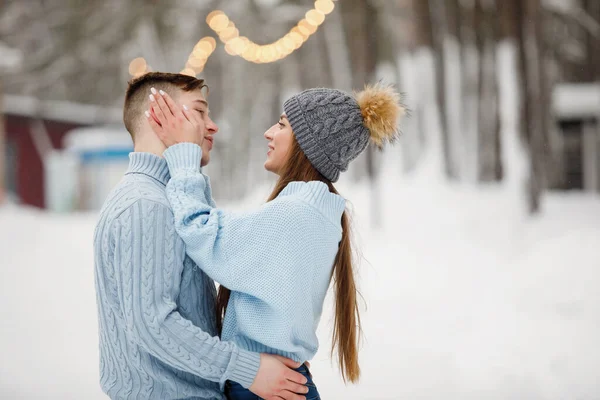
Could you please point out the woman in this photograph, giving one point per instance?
(278, 260)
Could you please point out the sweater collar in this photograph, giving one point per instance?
(317, 194)
(149, 164)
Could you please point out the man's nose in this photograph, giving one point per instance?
(212, 127)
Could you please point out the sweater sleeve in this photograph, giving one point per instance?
(149, 258)
(239, 250)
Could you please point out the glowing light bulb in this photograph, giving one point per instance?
(219, 22)
(210, 40)
(250, 52)
(298, 31)
(324, 6)
(279, 48)
(296, 38)
(213, 14)
(315, 17)
(308, 26)
(196, 62)
(188, 71)
(229, 50)
(246, 48)
(229, 33)
(259, 54)
(203, 47)
(199, 53)
(288, 44)
(238, 44)
(137, 66)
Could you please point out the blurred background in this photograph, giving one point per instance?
(478, 230)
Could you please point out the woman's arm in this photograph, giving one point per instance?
(233, 249)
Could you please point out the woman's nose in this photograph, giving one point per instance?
(268, 135)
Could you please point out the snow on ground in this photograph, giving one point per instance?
(466, 299)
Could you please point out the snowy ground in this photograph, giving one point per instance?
(466, 299)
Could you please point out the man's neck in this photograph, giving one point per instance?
(149, 144)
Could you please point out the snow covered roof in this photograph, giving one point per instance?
(85, 114)
(576, 100)
(98, 137)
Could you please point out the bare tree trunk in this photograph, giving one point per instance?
(592, 8)
(315, 73)
(360, 19)
(591, 139)
(515, 153)
(338, 52)
(470, 81)
(536, 97)
(591, 161)
(553, 156)
(149, 40)
(452, 84)
(405, 38)
(482, 100)
(489, 166)
(440, 32)
(428, 102)
(2, 151)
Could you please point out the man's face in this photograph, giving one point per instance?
(196, 103)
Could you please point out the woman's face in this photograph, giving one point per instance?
(280, 137)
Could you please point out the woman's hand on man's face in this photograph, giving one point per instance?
(172, 123)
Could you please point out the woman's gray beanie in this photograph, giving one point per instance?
(329, 127)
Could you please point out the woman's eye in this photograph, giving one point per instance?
(281, 125)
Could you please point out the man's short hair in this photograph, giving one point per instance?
(136, 97)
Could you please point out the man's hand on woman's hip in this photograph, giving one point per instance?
(276, 379)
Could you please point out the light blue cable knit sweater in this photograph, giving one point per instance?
(276, 260)
(156, 309)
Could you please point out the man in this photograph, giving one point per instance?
(157, 322)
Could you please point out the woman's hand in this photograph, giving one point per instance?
(171, 123)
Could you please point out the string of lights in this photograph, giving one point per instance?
(236, 45)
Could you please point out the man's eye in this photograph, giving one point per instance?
(201, 112)
(281, 124)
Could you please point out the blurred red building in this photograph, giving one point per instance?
(33, 127)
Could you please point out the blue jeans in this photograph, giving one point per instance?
(235, 391)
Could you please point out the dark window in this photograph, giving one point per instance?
(10, 167)
(572, 131)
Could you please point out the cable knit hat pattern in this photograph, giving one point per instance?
(333, 127)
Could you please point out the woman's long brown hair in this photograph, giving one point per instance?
(346, 330)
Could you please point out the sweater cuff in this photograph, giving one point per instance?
(246, 368)
(186, 156)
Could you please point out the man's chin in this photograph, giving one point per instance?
(205, 159)
(205, 155)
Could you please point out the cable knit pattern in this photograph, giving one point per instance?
(156, 315)
(277, 260)
(329, 127)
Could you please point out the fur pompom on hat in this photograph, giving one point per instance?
(381, 110)
(333, 127)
